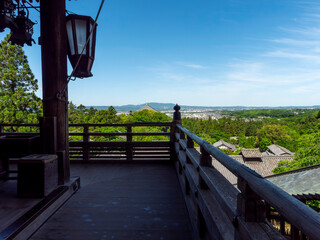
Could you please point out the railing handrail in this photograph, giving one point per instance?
(292, 209)
(136, 124)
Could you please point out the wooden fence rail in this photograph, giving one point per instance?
(94, 144)
(216, 206)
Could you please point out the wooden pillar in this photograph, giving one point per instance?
(54, 77)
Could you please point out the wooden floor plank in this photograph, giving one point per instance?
(118, 201)
(12, 207)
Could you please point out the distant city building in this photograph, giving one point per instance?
(224, 145)
(147, 107)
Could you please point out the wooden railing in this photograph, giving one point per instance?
(30, 129)
(95, 142)
(219, 210)
(121, 144)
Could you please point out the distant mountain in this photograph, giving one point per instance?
(130, 107)
(169, 107)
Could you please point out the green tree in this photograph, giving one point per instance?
(18, 101)
(308, 154)
(263, 144)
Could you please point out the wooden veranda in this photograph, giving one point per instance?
(129, 190)
(142, 201)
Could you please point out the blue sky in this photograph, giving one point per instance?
(199, 52)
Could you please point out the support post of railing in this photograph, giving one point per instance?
(176, 120)
(249, 205)
(1, 130)
(129, 150)
(85, 148)
(190, 144)
(294, 232)
(205, 161)
(205, 158)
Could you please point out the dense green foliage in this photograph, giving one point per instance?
(271, 113)
(18, 101)
(300, 133)
(81, 114)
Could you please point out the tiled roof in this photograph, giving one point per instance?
(251, 153)
(300, 182)
(263, 167)
(279, 150)
(267, 153)
(224, 143)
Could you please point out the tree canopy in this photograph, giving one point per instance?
(18, 101)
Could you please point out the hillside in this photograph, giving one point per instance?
(169, 107)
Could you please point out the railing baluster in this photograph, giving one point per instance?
(129, 150)
(86, 139)
(205, 161)
(294, 233)
(249, 205)
(190, 144)
(205, 158)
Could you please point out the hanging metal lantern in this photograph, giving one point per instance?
(23, 31)
(80, 41)
(7, 14)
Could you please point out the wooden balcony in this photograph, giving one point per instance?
(135, 188)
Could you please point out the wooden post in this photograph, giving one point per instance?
(282, 226)
(202, 228)
(190, 144)
(205, 158)
(54, 77)
(249, 205)
(294, 233)
(129, 149)
(85, 148)
(176, 120)
(205, 161)
(1, 130)
(177, 114)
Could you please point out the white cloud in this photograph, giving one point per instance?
(296, 42)
(294, 55)
(191, 65)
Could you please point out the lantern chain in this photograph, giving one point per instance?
(61, 95)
